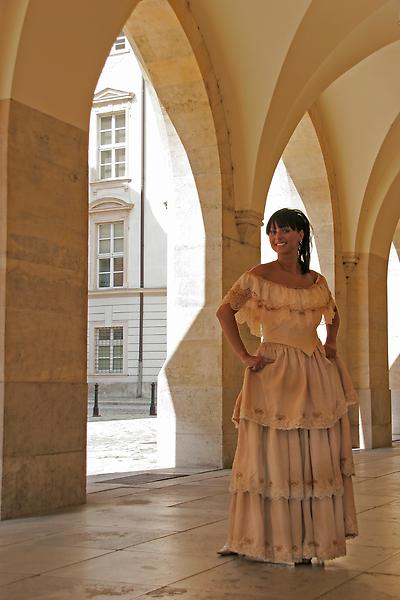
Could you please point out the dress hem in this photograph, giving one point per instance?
(286, 557)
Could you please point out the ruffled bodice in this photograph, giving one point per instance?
(281, 314)
(299, 386)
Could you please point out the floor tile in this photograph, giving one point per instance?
(360, 558)
(365, 501)
(388, 512)
(10, 577)
(367, 587)
(160, 541)
(202, 541)
(181, 593)
(219, 505)
(139, 567)
(104, 537)
(36, 559)
(378, 488)
(255, 579)
(377, 533)
(388, 567)
(170, 496)
(47, 587)
(377, 468)
(110, 496)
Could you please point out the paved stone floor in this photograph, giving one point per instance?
(158, 540)
(120, 445)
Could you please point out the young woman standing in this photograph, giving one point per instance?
(292, 495)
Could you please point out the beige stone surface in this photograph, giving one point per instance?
(368, 587)
(191, 397)
(29, 406)
(367, 348)
(45, 304)
(40, 483)
(160, 540)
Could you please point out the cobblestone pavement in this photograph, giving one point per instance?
(119, 409)
(122, 439)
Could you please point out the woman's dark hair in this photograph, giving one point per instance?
(297, 220)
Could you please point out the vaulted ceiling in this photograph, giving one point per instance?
(273, 61)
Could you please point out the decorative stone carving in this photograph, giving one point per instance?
(247, 222)
(109, 204)
(110, 95)
(350, 261)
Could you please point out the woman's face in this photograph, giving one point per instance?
(284, 240)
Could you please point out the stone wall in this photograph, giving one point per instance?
(44, 273)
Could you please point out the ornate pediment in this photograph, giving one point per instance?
(109, 204)
(111, 95)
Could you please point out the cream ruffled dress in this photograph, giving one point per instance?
(291, 488)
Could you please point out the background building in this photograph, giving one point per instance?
(129, 188)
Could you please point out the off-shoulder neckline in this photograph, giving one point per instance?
(288, 287)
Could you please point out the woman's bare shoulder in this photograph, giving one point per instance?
(315, 275)
(263, 269)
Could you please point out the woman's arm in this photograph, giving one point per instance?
(331, 335)
(226, 317)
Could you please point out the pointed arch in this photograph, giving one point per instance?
(305, 74)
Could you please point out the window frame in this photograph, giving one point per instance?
(126, 48)
(113, 146)
(108, 210)
(122, 345)
(111, 255)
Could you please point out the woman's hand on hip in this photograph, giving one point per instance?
(255, 363)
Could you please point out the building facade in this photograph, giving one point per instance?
(129, 187)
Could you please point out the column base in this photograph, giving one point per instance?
(375, 418)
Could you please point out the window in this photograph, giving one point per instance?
(120, 43)
(110, 255)
(109, 349)
(112, 146)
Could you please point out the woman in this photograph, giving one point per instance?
(292, 496)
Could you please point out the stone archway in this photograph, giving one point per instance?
(393, 284)
(190, 412)
(367, 295)
(304, 161)
(45, 241)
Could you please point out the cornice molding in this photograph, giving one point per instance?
(109, 204)
(110, 95)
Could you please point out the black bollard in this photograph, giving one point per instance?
(96, 401)
(153, 408)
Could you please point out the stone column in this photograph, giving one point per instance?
(43, 311)
(241, 251)
(394, 332)
(200, 378)
(367, 346)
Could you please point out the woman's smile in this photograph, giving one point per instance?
(282, 238)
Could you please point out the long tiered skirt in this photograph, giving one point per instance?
(291, 489)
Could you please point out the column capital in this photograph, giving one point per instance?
(247, 222)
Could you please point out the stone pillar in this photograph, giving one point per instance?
(394, 333)
(201, 377)
(367, 346)
(241, 251)
(43, 311)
